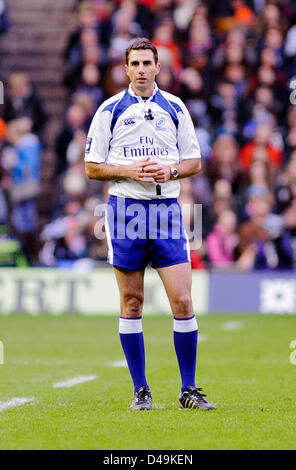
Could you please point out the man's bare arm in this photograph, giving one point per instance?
(142, 170)
(189, 167)
(107, 172)
(103, 171)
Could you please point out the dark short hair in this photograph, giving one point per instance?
(141, 44)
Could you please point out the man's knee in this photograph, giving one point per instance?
(133, 305)
(183, 305)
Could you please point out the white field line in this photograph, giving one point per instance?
(13, 402)
(202, 338)
(232, 325)
(75, 381)
(121, 363)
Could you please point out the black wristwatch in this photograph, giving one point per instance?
(174, 172)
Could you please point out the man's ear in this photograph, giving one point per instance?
(157, 68)
(126, 71)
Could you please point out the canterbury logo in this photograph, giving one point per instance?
(129, 121)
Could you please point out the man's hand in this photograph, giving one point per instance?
(138, 171)
(159, 173)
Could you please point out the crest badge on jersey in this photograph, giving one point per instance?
(88, 144)
(160, 124)
(130, 121)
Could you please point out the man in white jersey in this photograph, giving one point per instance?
(142, 141)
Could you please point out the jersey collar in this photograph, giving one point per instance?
(132, 93)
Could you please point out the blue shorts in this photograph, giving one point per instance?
(140, 232)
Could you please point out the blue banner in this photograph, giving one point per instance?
(252, 292)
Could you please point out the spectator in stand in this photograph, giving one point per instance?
(86, 101)
(87, 51)
(166, 81)
(76, 119)
(274, 39)
(224, 162)
(235, 37)
(262, 108)
(168, 50)
(183, 14)
(236, 73)
(285, 191)
(243, 14)
(271, 16)
(222, 200)
(224, 108)
(222, 241)
(198, 48)
(4, 24)
(21, 100)
(194, 92)
(21, 159)
(142, 14)
(88, 38)
(123, 32)
(85, 19)
(262, 138)
(3, 179)
(116, 79)
(290, 51)
(163, 7)
(73, 182)
(264, 239)
(97, 248)
(291, 115)
(222, 196)
(290, 143)
(64, 240)
(270, 74)
(260, 174)
(90, 16)
(200, 40)
(90, 83)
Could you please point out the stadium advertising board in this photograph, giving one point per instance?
(54, 291)
(269, 292)
(58, 291)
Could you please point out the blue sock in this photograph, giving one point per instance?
(132, 342)
(185, 340)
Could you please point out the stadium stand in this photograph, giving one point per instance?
(232, 62)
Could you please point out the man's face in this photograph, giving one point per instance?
(141, 70)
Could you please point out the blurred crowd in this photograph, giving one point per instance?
(233, 63)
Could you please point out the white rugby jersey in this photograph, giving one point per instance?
(120, 134)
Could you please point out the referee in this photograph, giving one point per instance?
(142, 141)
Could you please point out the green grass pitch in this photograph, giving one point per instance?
(246, 372)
